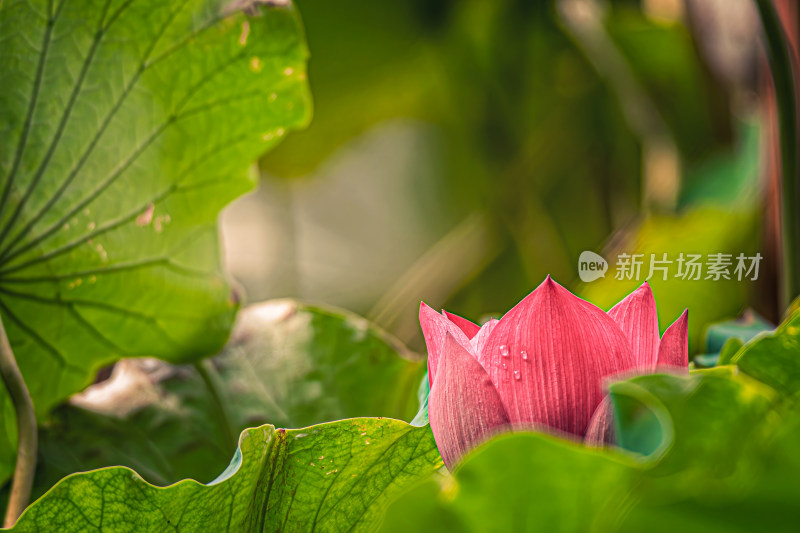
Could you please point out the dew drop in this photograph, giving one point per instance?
(517, 375)
(524, 355)
(505, 366)
(504, 350)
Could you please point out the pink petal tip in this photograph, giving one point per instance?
(637, 317)
(470, 329)
(673, 352)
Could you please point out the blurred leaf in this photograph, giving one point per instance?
(729, 349)
(699, 417)
(728, 178)
(523, 482)
(296, 364)
(665, 59)
(725, 338)
(331, 477)
(288, 362)
(743, 328)
(126, 129)
(366, 69)
(774, 358)
(727, 467)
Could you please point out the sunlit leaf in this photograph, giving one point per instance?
(331, 477)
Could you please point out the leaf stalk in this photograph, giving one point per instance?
(27, 436)
(782, 75)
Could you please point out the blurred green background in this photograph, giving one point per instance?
(461, 151)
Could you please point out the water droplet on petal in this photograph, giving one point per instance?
(524, 355)
(504, 350)
(504, 366)
(517, 375)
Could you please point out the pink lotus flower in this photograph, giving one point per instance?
(541, 366)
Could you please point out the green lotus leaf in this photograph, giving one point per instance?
(127, 125)
(330, 477)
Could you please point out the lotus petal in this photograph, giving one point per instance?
(673, 352)
(470, 329)
(464, 408)
(637, 317)
(601, 431)
(478, 341)
(548, 356)
(434, 327)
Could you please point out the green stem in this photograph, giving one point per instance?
(27, 436)
(210, 378)
(781, 65)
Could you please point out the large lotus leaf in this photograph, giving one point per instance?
(774, 358)
(126, 126)
(689, 424)
(730, 463)
(286, 362)
(331, 477)
(296, 364)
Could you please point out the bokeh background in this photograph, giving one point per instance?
(461, 151)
